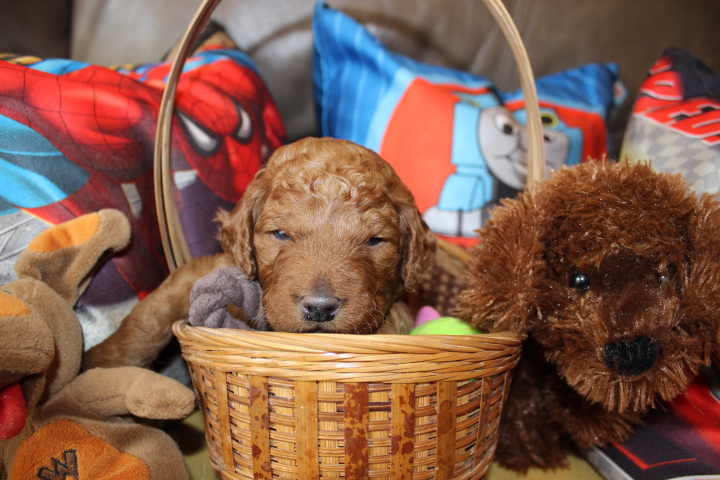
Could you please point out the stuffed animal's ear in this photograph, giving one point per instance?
(701, 281)
(66, 255)
(506, 268)
(236, 232)
(28, 350)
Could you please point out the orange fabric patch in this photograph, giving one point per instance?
(65, 450)
(426, 113)
(69, 234)
(430, 151)
(12, 306)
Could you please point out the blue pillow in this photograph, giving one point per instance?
(452, 136)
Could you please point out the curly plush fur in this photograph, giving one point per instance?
(614, 272)
(331, 233)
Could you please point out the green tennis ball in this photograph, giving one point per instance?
(445, 326)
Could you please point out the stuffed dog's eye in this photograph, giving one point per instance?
(664, 277)
(666, 274)
(281, 235)
(374, 241)
(580, 281)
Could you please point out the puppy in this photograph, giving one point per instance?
(327, 228)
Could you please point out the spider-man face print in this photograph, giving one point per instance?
(225, 119)
(230, 130)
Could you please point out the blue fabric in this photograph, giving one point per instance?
(34, 172)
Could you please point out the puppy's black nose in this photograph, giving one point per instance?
(320, 308)
(633, 357)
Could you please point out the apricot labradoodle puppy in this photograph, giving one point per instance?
(331, 233)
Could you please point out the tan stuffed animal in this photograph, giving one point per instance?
(55, 423)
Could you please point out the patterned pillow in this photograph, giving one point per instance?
(75, 138)
(676, 120)
(456, 140)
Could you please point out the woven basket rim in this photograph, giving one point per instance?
(285, 341)
(349, 357)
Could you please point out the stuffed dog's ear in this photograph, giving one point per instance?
(236, 232)
(418, 248)
(701, 280)
(66, 255)
(506, 268)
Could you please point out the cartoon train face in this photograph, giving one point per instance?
(503, 142)
(497, 169)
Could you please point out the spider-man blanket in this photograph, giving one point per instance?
(75, 138)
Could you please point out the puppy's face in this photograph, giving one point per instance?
(334, 238)
(329, 266)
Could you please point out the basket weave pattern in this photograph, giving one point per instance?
(389, 407)
(442, 283)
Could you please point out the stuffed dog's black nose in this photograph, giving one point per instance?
(633, 357)
(320, 308)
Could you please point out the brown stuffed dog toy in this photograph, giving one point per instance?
(55, 423)
(613, 271)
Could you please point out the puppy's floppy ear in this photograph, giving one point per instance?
(236, 232)
(418, 246)
(506, 269)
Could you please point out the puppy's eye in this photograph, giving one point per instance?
(374, 241)
(281, 235)
(580, 281)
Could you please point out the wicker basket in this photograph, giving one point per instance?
(310, 406)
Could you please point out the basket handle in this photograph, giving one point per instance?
(173, 237)
(536, 145)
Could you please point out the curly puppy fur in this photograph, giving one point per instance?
(613, 271)
(331, 233)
